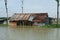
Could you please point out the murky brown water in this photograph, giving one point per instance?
(29, 33)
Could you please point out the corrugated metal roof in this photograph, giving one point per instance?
(31, 18)
(39, 17)
(20, 17)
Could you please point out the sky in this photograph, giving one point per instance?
(30, 6)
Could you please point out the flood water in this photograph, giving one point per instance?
(8, 33)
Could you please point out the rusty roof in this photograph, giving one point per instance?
(26, 16)
(17, 17)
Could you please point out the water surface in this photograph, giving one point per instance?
(9, 33)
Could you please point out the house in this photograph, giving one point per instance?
(55, 21)
(3, 20)
(28, 19)
(50, 20)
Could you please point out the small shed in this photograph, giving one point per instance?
(28, 19)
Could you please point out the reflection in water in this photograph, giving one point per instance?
(58, 34)
(4, 33)
(29, 34)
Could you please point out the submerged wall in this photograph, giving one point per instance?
(12, 23)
